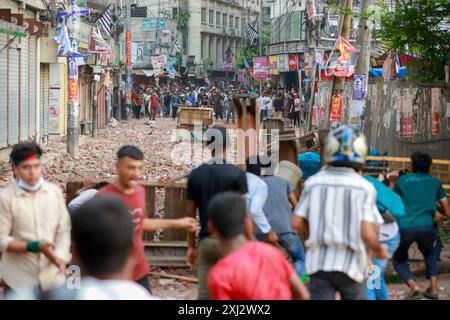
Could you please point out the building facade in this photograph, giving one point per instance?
(217, 29)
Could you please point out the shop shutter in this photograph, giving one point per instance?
(13, 94)
(64, 98)
(24, 89)
(32, 87)
(3, 92)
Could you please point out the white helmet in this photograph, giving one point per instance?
(345, 146)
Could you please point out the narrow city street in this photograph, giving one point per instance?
(227, 150)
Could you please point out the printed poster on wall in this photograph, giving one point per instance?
(273, 65)
(359, 87)
(159, 63)
(260, 67)
(407, 127)
(336, 108)
(435, 103)
(54, 111)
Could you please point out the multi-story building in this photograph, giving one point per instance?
(217, 28)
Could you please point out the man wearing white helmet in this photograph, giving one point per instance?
(338, 208)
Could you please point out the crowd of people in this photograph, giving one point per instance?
(244, 227)
(155, 101)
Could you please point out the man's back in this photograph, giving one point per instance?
(335, 201)
(257, 271)
(420, 194)
(209, 179)
(277, 207)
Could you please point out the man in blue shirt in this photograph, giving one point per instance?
(420, 193)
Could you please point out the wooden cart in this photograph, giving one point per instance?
(189, 117)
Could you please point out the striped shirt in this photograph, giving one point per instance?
(335, 201)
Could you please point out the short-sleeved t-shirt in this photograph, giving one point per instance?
(208, 180)
(277, 207)
(136, 204)
(420, 194)
(257, 271)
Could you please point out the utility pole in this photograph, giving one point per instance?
(365, 29)
(339, 83)
(128, 83)
(312, 64)
(260, 22)
(72, 74)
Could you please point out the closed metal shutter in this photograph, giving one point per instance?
(85, 98)
(32, 86)
(64, 98)
(24, 90)
(44, 103)
(3, 92)
(13, 94)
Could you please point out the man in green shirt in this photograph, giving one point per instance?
(420, 193)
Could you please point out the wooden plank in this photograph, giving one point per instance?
(174, 208)
(168, 244)
(173, 276)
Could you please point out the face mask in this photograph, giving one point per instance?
(23, 185)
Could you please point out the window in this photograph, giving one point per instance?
(211, 17)
(174, 13)
(225, 20)
(203, 15)
(236, 24)
(231, 22)
(218, 18)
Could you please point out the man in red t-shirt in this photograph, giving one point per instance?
(154, 103)
(250, 270)
(130, 161)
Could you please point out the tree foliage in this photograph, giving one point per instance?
(248, 52)
(417, 27)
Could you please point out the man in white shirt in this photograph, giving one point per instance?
(256, 198)
(338, 207)
(103, 253)
(34, 225)
(264, 104)
(85, 194)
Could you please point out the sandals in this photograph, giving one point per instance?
(429, 295)
(414, 295)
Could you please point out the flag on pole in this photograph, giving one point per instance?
(62, 39)
(252, 34)
(177, 45)
(246, 64)
(105, 20)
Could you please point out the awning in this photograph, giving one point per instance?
(143, 72)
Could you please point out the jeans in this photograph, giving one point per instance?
(379, 292)
(166, 111)
(425, 238)
(323, 285)
(218, 114)
(264, 114)
(230, 114)
(137, 111)
(293, 246)
(174, 111)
